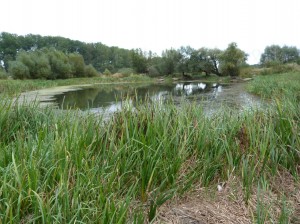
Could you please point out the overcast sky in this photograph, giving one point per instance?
(159, 24)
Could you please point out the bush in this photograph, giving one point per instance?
(77, 63)
(90, 71)
(37, 62)
(3, 74)
(276, 68)
(60, 66)
(153, 71)
(126, 71)
(18, 70)
(50, 64)
(106, 72)
(230, 69)
(42, 69)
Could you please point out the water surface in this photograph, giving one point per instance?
(109, 98)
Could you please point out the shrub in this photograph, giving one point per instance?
(90, 71)
(229, 69)
(37, 62)
(106, 72)
(42, 67)
(126, 71)
(18, 70)
(276, 68)
(60, 66)
(50, 64)
(77, 64)
(153, 71)
(3, 74)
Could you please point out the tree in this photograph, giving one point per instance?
(18, 70)
(231, 60)
(49, 64)
(275, 54)
(97, 54)
(170, 59)
(9, 46)
(77, 64)
(139, 61)
(184, 59)
(272, 54)
(155, 65)
(37, 63)
(206, 60)
(60, 65)
(42, 69)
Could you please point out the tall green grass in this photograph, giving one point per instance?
(69, 167)
(276, 86)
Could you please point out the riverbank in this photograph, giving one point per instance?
(170, 165)
(13, 88)
(43, 91)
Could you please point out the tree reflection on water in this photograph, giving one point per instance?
(111, 98)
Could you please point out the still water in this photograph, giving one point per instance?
(109, 98)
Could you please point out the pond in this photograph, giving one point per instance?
(108, 98)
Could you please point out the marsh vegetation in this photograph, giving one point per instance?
(150, 161)
(69, 167)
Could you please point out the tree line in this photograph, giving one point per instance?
(275, 54)
(35, 56)
(49, 64)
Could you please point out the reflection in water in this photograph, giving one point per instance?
(110, 98)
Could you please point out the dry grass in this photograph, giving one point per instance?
(211, 206)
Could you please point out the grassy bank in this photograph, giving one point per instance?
(9, 87)
(276, 86)
(13, 88)
(73, 168)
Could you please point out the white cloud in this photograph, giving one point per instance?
(159, 24)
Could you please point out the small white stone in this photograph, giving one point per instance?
(220, 188)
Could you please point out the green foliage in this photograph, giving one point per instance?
(139, 61)
(3, 74)
(275, 54)
(9, 44)
(285, 84)
(183, 60)
(231, 60)
(77, 64)
(18, 70)
(106, 72)
(61, 167)
(60, 65)
(206, 60)
(277, 68)
(50, 64)
(126, 71)
(37, 63)
(97, 54)
(183, 65)
(153, 71)
(90, 71)
(170, 60)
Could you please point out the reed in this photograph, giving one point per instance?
(67, 167)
